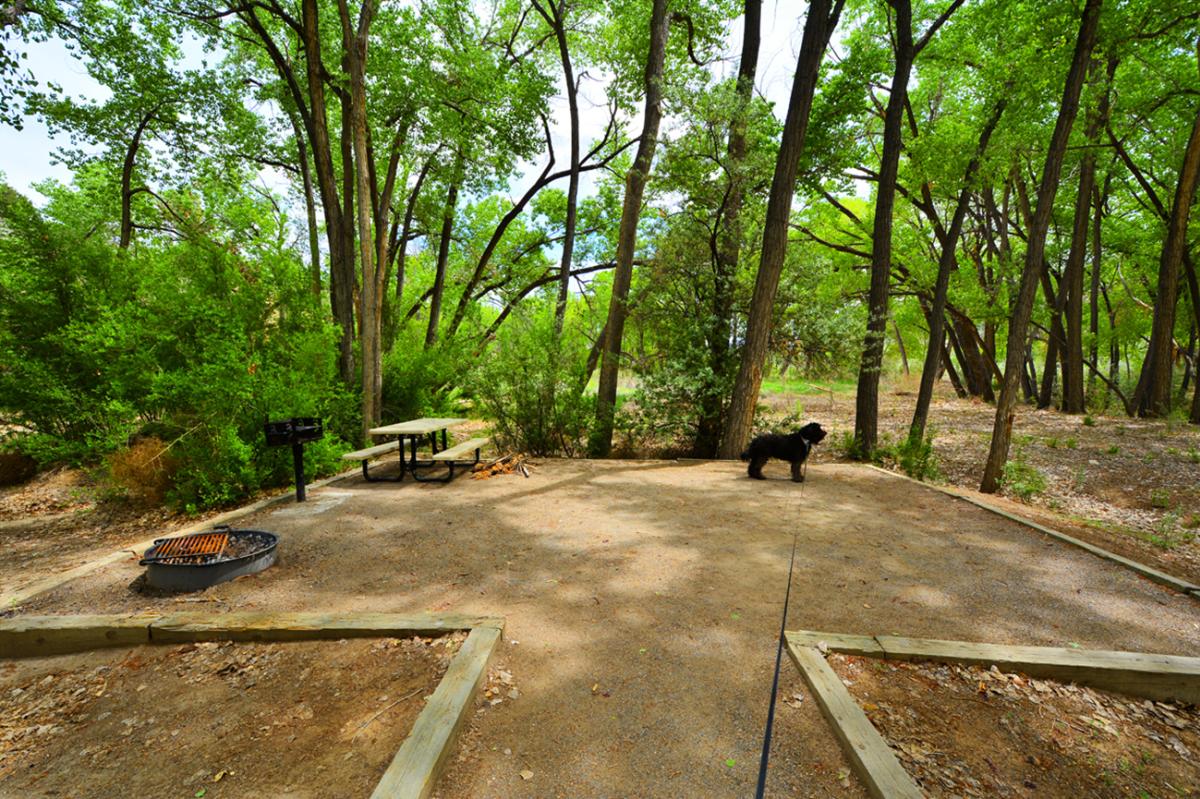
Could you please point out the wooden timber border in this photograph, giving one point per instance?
(1182, 586)
(1145, 675)
(421, 758)
(22, 595)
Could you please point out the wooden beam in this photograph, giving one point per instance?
(37, 636)
(182, 627)
(870, 756)
(415, 769)
(1135, 673)
(863, 645)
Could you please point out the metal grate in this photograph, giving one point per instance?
(197, 548)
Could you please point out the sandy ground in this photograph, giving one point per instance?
(642, 602)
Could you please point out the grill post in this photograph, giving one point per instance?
(298, 465)
(297, 432)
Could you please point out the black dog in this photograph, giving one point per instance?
(792, 447)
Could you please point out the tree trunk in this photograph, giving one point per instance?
(1035, 250)
(341, 259)
(1054, 343)
(310, 206)
(556, 18)
(1154, 386)
(406, 231)
(1094, 294)
(600, 443)
(355, 44)
(866, 406)
(711, 425)
(822, 19)
(937, 312)
(127, 190)
(1072, 355)
(439, 279)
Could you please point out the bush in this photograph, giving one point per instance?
(193, 342)
(419, 382)
(915, 457)
(1023, 479)
(145, 471)
(530, 384)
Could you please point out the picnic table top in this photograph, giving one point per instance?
(416, 427)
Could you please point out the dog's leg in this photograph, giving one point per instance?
(797, 473)
(755, 469)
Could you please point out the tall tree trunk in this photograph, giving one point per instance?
(1054, 343)
(1018, 325)
(443, 256)
(1154, 386)
(127, 190)
(1094, 293)
(355, 44)
(1189, 272)
(866, 404)
(937, 312)
(341, 259)
(1072, 356)
(310, 205)
(711, 425)
(600, 443)
(555, 16)
(401, 245)
(822, 19)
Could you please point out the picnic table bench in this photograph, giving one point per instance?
(415, 431)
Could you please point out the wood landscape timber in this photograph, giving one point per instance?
(870, 756)
(1153, 676)
(34, 636)
(419, 763)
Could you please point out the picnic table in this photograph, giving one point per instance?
(414, 433)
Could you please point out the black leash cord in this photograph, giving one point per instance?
(766, 752)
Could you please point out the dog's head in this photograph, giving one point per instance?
(813, 433)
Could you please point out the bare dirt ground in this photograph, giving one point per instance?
(967, 731)
(1131, 486)
(62, 519)
(642, 604)
(307, 719)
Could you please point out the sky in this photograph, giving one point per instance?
(26, 156)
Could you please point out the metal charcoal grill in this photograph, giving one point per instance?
(196, 561)
(297, 431)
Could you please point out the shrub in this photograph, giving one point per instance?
(1023, 479)
(145, 471)
(530, 384)
(192, 342)
(916, 458)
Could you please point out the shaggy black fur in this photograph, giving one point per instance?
(792, 447)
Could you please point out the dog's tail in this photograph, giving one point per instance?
(745, 455)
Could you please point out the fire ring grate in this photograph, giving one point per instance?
(196, 561)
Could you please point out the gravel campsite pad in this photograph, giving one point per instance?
(303, 719)
(641, 604)
(975, 732)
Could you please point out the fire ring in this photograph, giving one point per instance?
(194, 562)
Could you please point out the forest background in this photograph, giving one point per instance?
(998, 191)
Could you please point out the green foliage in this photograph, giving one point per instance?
(530, 384)
(1023, 479)
(189, 341)
(916, 458)
(419, 382)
